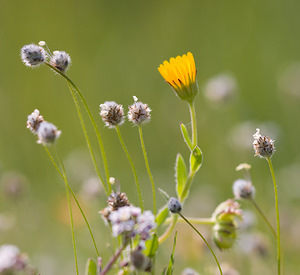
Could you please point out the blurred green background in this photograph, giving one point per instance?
(116, 47)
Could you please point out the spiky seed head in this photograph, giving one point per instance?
(112, 113)
(47, 133)
(117, 200)
(243, 189)
(263, 145)
(60, 60)
(33, 55)
(139, 112)
(34, 120)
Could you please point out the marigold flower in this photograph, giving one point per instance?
(180, 73)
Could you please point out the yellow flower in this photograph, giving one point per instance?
(180, 73)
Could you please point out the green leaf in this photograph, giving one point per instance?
(91, 267)
(162, 215)
(171, 262)
(195, 159)
(181, 174)
(186, 136)
(151, 246)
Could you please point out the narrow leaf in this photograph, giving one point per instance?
(186, 136)
(162, 215)
(181, 174)
(171, 262)
(91, 267)
(151, 246)
(195, 159)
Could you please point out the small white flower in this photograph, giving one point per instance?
(60, 60)
(139, 113)
(34, 120)
(33, 55)
(47, 133)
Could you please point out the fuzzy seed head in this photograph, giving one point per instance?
(263, 145)
(47, 133)
(112, 113)
(174, 205)
(139, 113)
(34, 120)
(60, 60)
(33, 55)
(243, 189)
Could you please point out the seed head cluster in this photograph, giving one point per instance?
(33, 55)
(112, 113)
(263, 145)
(139, 113)
(60, 60)
(243, 189)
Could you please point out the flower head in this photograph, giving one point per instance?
(33, 55)
(60, 60)
(243, 189)
(139, 113)
(112, 113)
(180, 73)
(262, 145)
(47, 133)
(34, 120)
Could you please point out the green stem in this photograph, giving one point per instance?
(277, 214)
(211, 250)
(194, 123)
(263, 216)
(70, 212)
(148, 169)
(69, 81)
(169, 230)
(87, 139)
(207, 221)
(73, 194)
(187, 187)
(132, 167)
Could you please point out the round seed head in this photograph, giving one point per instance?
(33, 55)
(112, 113)
(174, 205)
(263, 145)
(47, 133)
(60, 60)
(243, 189)
(139, 113)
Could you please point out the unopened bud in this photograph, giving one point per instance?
(174, 205)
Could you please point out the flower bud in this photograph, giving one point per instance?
(262, 145)
(112, 113)
(47, 133)
(139, 113)
(225, 228)
(174, 205)
(243, 189)
(60, 60)
(33, 55)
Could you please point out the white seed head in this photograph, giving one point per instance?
(33, 55)
(60, 60)
(112, 113)
(8, 257)
(243, 189)
(139, 113)
(263, 145)
(47, 133)
(34, 120)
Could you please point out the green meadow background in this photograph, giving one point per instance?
(116, 47)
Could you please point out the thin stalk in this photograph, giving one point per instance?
(70, 212)
(132, 167)
(194, 123)
(87, 139)
(148, 168)
(207, 221)
(74, 196)
(277, 214)
(211, 250)
(169, 230)
(112, 260)
(69, 81)
(264, 217)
